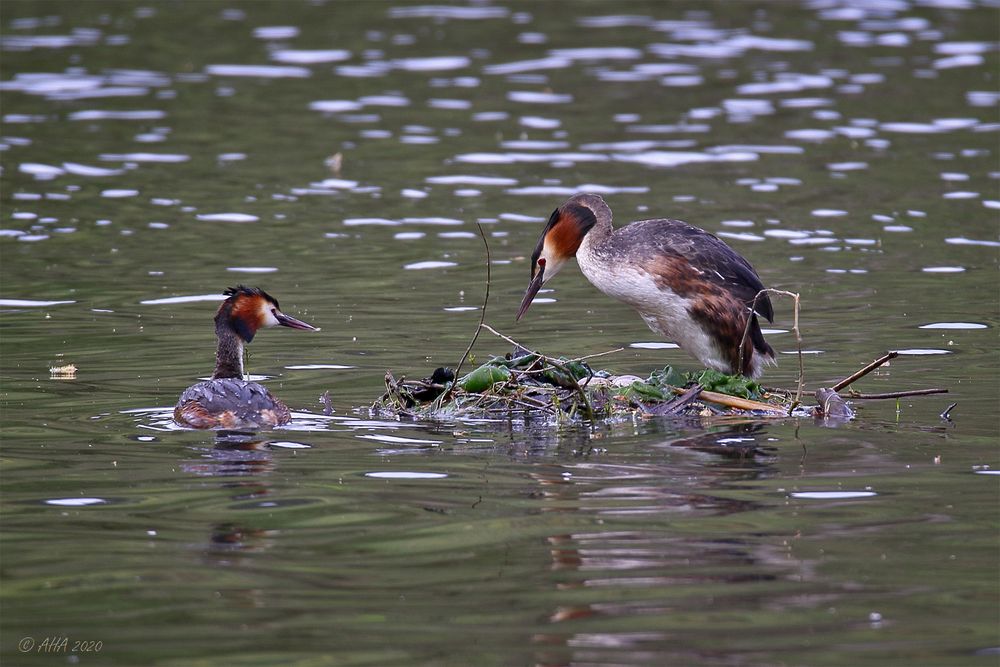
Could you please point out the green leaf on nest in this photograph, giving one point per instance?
(734, 385)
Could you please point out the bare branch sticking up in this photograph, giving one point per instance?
(865, 371)
(795, 330)
(482, 318)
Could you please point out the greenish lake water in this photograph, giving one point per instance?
(156, 153)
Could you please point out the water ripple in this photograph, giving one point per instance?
(259, 71)
(227, 217)
(431, 64)
(513, 158)
(449, 12)
(309, 57)
(464, 179)
(535, 97)
(31, 303)
(677, 158)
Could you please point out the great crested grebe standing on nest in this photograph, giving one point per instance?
(228, 400)
(686, 284)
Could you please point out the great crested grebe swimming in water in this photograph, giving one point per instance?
(228, 400)
(686, 284)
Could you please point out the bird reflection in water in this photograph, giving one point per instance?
(235, 455)
(629, 568)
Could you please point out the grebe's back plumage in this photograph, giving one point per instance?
(230, 403)
(227, 400)
(685, 283)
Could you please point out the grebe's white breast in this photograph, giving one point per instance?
(623, 274)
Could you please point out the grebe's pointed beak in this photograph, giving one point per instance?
(292, 323)
(529, 294)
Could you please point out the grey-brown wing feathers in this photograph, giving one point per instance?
(715, 261)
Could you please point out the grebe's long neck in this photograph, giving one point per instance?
(593, 248)
(609, 264)
(598, 235)
(228, 354)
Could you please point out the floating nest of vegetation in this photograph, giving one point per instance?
(527, 383)
(524, 383)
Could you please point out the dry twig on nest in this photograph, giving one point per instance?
(733, 401)
(795, 330)
(555, 363)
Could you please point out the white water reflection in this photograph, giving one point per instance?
(514, 158)
(539, 123)
(288, 444)
(655, 345)
(567, 191)
(335, 106)
(309, 56)
(75, 502)
(88, 170)
(398, 440)
(954, 325)
(119, 193)
(678, 158)
(430, 264)
(786, 82)
(732, 47)
(40, 171)
(227, 217)
(144, 157)
(961, 240)
(259, 71)
(449, 12)
(401, 474)
(276, 32)
(470, 179)
(431, 64)
(833, 495)
(534, 97)
(182, 299)
(31, 303)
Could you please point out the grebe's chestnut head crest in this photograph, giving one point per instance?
(560, 240)
(247, 309)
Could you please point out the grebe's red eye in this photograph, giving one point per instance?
(541, 262)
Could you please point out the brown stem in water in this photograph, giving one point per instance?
(897, 394)
(733, 401)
